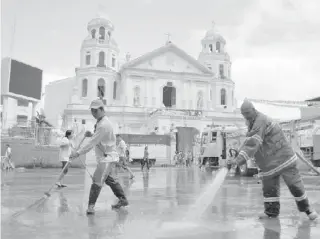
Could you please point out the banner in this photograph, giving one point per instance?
(289, 104)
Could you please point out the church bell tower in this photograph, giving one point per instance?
(214, 56)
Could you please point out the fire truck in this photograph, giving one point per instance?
(218, 143)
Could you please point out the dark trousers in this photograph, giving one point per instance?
(113, 184)
(271, 191)
(144, 162)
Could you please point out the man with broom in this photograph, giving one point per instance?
(104, 141)
(275, 157)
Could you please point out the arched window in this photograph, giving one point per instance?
(223, 95)
(101, 88)
(210, 48)
(93, 33)
(102, 33)
(101, 59)
(88, 58)
(84, 88)
(218, 47)
(136, 96)
(113, 61)
(221, 70)
(114, 90)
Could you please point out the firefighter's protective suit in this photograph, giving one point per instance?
(276, 158)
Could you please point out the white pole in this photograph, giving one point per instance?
(5, 101)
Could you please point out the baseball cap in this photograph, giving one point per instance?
(96, 104)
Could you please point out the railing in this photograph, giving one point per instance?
(42, 135)
(21, 130)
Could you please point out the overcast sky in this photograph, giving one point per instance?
(274, 44)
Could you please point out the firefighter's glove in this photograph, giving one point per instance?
(88, 134)
(257, 176)
(232, 162)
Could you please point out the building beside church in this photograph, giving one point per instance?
(160, 90)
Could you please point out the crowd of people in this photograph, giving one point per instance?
(181, 159)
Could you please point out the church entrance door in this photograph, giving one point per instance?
(169, 96)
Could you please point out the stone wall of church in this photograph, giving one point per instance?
(149, 92)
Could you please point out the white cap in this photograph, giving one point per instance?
(96, 104)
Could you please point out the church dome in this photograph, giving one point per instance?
(100, 20)
(212, 34)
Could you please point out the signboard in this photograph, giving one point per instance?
(20, 79)
(146, 139)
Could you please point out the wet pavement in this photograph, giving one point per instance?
(158, 202)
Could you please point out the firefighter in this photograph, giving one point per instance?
(276, 158)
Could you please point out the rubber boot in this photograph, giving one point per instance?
(93, 196)
(119, 193)
(312, 215)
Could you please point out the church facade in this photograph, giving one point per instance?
(160, 90)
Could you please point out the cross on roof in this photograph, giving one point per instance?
(213, 24)
(169, 36)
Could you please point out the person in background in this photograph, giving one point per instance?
(66, 148)
(276, 158)
(8, 158)
(121, 149)
(180, 159)
(128, 155)
(183, 158)
(175, 158)
(145, 160)
(189, 159)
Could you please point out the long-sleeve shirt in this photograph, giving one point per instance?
(267, 143)
(104, 142)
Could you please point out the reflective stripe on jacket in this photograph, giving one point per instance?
(268, 144)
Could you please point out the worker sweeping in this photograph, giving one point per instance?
(66, 147)
(104, 141)
(275, 157)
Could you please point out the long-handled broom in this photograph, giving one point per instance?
(46, 194)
